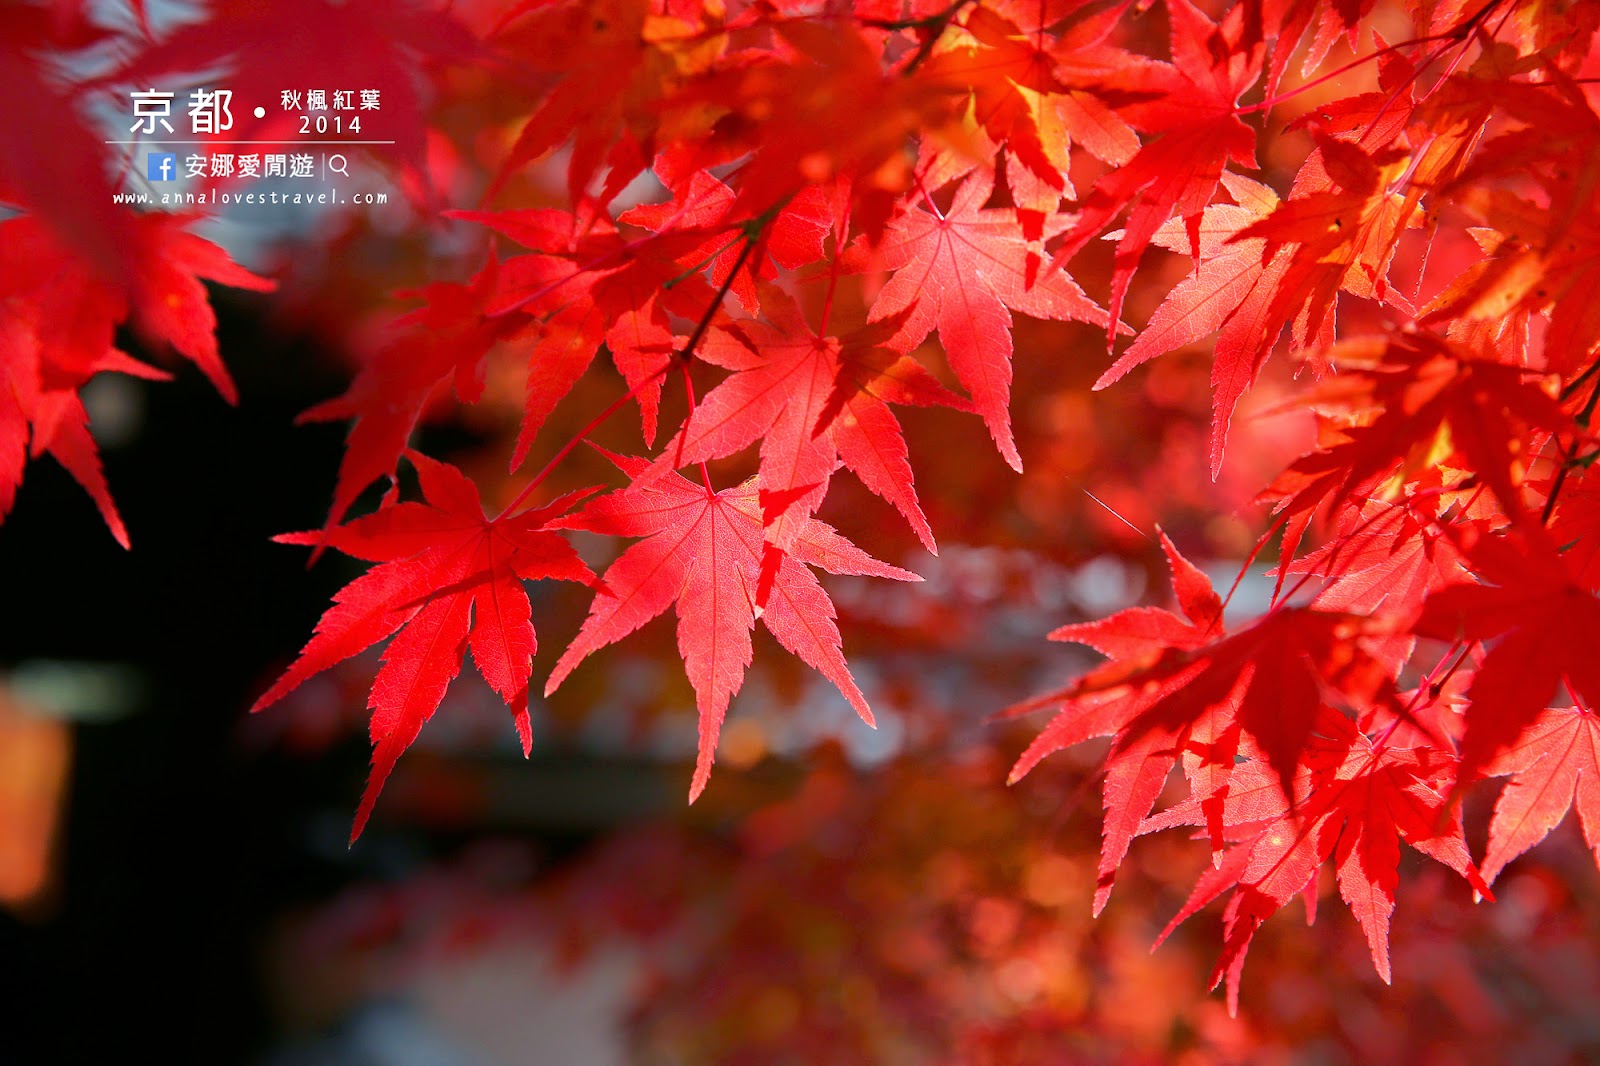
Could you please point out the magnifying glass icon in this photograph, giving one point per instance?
(338, 164)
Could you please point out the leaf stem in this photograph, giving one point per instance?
(716, 301)
(833, 273)
(583, 435)
(927, 199)
(934, 25)
(688, 389)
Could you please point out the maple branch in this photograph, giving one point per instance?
(704, 324)
(1571, 390)
(934, 25)
(700, 266)
(1555, 491)
(1117, 515)
(1273, 101)
(1568, 461)
(603, 260)
(1428, 686)
(1461, 38)
(583, 435)
(752, 232)
(752, 229)
(917, 23)
(679, 358)
(1459, 35)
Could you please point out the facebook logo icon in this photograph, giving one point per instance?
(161, 166)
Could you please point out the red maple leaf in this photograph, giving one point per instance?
(703, 550)
(77, 308)
(1028, 72)
(1575, 522)
(449, 577)
(818, 106)
(1018, 77)
(1554, 763)
(963, 271)
(1383, 555)
(610, 71)
(58, 315)
(1542, 252)
(1147, 646)
(40, 415)
(1229, 294)
(1340, 228)
(794, 237)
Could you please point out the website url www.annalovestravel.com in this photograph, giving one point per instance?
(178, 199)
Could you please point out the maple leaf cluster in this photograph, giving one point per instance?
(836, 185)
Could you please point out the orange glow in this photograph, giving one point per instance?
(34, 757)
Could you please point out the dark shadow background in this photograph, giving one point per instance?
(178, 847)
